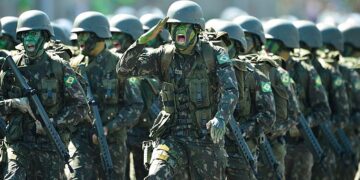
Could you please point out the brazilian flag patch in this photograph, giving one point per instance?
(265, 86)
(223, 58)
(285, 79)
(338, 82)
(69, 80)
(318, 81)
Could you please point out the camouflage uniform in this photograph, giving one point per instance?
(255, 111)
(119, 103)
(186, 137)
(286, 109)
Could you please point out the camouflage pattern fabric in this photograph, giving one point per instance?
(67, 107)
(185, 129)
(299, 162)
(120, 107)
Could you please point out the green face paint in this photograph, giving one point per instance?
(273, 46)
(232, 49)
(33, 42)
(249, 42)
(87, 42)
(183, 35)
(121, 41)
(7, 42)
(3, 43)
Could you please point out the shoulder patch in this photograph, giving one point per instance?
(318, 82)
(133, 80)
(338, 81)
(285, 78)
(69, 80)
(223, 58)
(265, 86)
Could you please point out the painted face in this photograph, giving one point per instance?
(87, 42)
(6, 42)
(3, 42)
(184, 35)
(273, 46)
(33, 42)
(232, 49)
(121, 41)
(249, 42)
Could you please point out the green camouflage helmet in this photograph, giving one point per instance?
(309, 33)
(128, 24)
(9, 26)
(251, 24)
(351, 33)
(33, 20)
(283, 31)
(150, 20)
(94, 22)
(186, 12)
(233, 30)
(60, 34)
(331, 35)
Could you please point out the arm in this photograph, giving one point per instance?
(318, 100)
(133, 105)
(75, 108)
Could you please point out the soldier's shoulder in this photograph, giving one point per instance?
(75, 61)
(56, 58)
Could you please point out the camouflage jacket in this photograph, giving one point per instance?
(311, 94)
(256, 105)
(119, 99)
(281, 83)
(58, 89)
(333, 82)
(222, 81)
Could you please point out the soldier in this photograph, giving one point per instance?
(8, 39)
(31, 154)
(58, 45)
(282, 39)
(125, 29)
(350, 56)
(255, 110)
(282, 87)
(117, 97)
(199, 94)
(327, 66)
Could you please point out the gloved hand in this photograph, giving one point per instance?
(153, 32)
(21, 104)
(95, 139)
(217, 129)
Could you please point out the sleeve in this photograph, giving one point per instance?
(227, 85)
(138, 60)
(338, 99)
(318, 100)
(131, 109)
(75, 108)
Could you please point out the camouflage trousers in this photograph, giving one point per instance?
(32, 163)
(329, 161)
(86, 160)
(278, 145)
(134, 144)
(172, 157)
(298, 161)
(237, 167)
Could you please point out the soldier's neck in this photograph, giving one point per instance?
(100, 46)
(284, 54)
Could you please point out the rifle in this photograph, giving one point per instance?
(243, 147)
(104, 148)
(330, 137)
(349, 153)
(311, 141)
(268, 156)
(2, 127)
(51, 131)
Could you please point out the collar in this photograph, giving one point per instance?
(100, 57)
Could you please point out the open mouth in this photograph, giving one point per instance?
(117, 45)
(181, 38)
(82, 46)
(31, 47)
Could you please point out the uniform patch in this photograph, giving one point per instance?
(318, 82)
(338, 82)
(223, 58)
(132, 80)
(69, 80)
(285, 79)
(265, 86)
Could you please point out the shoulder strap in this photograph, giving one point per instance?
(208, 54)
(166, 59)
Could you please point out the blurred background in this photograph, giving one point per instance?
(333, 10)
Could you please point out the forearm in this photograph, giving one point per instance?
(129, 60)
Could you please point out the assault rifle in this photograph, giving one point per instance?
(331, 139)
(243, 147)
(268, 156)
(348, 151)
(2, 127)
(311, 141)
(104, 148)
(46, 123)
